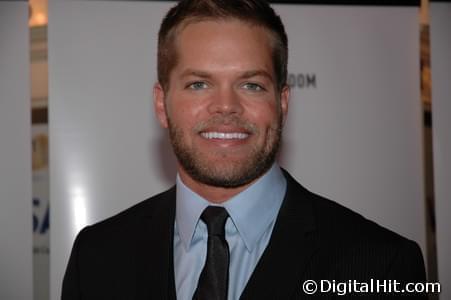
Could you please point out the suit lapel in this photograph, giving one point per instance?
(279, 270)
(154, 250)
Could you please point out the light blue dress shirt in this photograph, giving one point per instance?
(248, 229)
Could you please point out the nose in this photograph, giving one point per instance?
(225, 101)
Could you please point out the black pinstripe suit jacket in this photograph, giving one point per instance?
(130, 255)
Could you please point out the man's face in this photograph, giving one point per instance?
(222, 107)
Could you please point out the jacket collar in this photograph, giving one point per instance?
(278, 273)
(154, 247)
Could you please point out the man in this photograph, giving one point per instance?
(235, 226)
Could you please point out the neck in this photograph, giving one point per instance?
(211, 193)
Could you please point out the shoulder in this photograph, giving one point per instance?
(334, 219)
(349, 241)
(355, 234)
(113, 250)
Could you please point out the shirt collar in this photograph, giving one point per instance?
(251, 211)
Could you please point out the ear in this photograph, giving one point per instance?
(159, 106)
(284, 99)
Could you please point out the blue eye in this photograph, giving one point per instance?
(253, 87)
(198, 85)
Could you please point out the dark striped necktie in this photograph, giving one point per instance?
(214, 279)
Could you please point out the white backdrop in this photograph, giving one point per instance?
(440, 23)
(353, 132)
(15, 153)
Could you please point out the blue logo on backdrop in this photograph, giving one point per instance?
(40, 223)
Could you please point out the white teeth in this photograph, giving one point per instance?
(225, 135)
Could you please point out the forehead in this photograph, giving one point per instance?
(206, 21)
(224, 43)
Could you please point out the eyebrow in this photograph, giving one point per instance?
(197, 73)
(246, 74)
(253, 73)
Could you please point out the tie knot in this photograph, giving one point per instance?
(215, 218)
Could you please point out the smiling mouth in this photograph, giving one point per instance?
(224, 135)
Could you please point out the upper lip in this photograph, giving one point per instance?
(226, 129)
